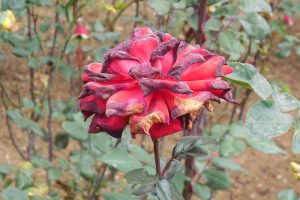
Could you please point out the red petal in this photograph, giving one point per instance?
(210, 69)
(105, 90)
(163, 56)
(142, 48)
(112, 125)
(189, 60)
(126, 102)
(206, 85)
(90, 105)
(157, 112)
(137, 32)
(226, 70)
(161, 130)
(149, 86)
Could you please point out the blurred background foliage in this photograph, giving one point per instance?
(41, 58)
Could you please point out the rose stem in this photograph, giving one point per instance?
(156, 154)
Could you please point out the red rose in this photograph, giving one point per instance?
(288, 20)
(150, 82)
(80, 32)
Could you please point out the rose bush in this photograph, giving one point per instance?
(150, 82)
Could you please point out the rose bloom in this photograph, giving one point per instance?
(288, 20)
(80, 32)
(151, 82)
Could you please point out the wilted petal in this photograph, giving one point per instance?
(149, 86)
(90, 105)
(105, 89)
(163, 56)
(119, 62)
(112, 125)
(161, 130)
(177, 70)
(157, 112)
(126, 102)
(212, 68)
(207, 85)
(180, 104)
(142, 48)
(144, 71)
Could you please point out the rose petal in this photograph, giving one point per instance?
(90, 105)
(210, 69)
(126, 102)
(142, 48)
(119, 62)
(180, 104)
(137, 32)
(149, 86)
(105, 90)
(157, 112)
(144, 71)
(210, 84)
(161, 130)
(177, 70)
(114, 126)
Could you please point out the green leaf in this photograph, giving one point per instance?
(287, 194)
(255, 25)
(218, 130)
(139, 190)
(5, 169)
(255, 6)
(202, 191)
(267, 146)
(39, 161)
(177, 195)
(161, 7)
(216, 179)
(101, 141)
(61, 140)
(231, 146)
(120, 160)
(192, 145)
(164, 190)
(25, 124)
(54, 174)
(117, 196)
(140, 153)
(285, 101)
(238, 130)
(75, 130)
(176, 21)
(230, 44)
(44, 27)
(14, 194)
(298, 50)
(265, 120)
(246, 75)
(141, 176)
(19, 52)
(98, 26)
(227, 164)
(176, 166)
(24, 179)
(87, 166)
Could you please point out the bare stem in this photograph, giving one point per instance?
(201, 11)
(157, 156)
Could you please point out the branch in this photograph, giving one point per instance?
(157, 157)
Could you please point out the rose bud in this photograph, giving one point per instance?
(250, 61)
(288, 20)
(80, 32)
(8, 21)
(149, 83)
